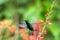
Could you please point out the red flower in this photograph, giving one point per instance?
(22, 31)
(48, 23)
(32, 38)
(25, 37)
(45, 32)
(41, 38)
(13, 28)
(35, 33)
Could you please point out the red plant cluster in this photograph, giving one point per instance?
(26, 36)
(37, 30)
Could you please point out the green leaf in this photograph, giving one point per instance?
(32, 13)
(54, 28)
(21, 1)
(9, 12)
(3, 1)
(58, 15)
(47, 5)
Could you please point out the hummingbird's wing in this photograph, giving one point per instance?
(22, 25)
(25, 26)
(34, 24)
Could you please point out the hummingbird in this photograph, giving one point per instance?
(28, 25)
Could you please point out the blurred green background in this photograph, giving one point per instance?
(32, 10)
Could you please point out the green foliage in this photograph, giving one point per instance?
(32, 10)
(4, 36)
(21, 1)
(3, 1)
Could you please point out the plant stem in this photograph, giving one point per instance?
(49, 12)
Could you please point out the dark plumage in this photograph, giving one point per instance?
(29, 26)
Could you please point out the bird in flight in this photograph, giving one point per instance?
(28, 25)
